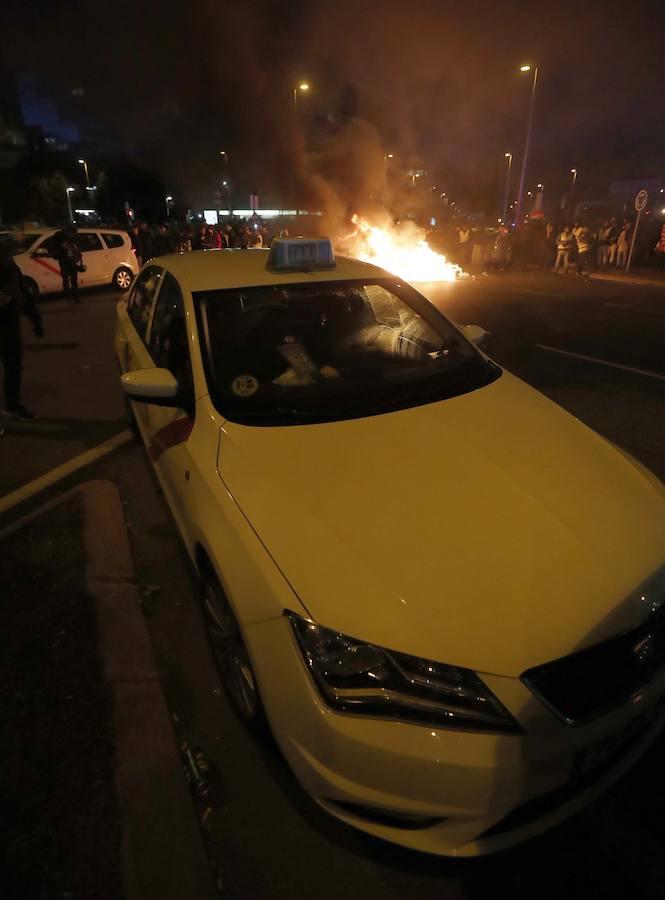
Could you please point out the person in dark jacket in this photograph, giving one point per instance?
(14, 300)
(145, 248)
(164, 243)
(70, 262)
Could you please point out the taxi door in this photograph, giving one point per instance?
(42, 265)
(131, 336)
(95, 259)
(168, 428)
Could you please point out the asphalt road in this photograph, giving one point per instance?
(267, 837)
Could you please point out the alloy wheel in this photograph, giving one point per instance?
(230, 652)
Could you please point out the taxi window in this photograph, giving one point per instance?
(168, 334)
(141, 297)
(51, 244)
(88, 242)
(113, 241)
(292, 354)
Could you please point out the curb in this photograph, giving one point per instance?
(621, 279)
(162, 850)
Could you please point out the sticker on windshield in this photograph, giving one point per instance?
(244, 385)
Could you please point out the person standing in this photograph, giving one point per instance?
(464, 245)
(623, 245)
(14, 300)
(563, 244)
(584, 251)
(145, 246)
(604, 243)
(70, 261)
(163, 241)
(612, 238)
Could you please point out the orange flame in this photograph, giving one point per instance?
(402, 251)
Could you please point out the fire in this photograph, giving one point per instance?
(401, 250)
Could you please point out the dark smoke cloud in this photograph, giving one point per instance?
(434, 82)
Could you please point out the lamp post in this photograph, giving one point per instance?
(509, 157)
(69, 191)
(527, 142)
(386, 157)
(169, 201)
(303, 87)
(573, 172)
(84, 163)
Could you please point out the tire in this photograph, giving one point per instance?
(230, 653)
(122, 278)
(30, 287)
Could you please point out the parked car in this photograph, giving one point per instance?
(107, 255)
(445, 593)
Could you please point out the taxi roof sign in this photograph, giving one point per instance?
(298, 254)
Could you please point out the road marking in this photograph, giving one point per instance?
(44, 481)
(544, 293)
(601, 362)
(639, 309)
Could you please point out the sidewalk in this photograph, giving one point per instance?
(92, 780)
(647, 277)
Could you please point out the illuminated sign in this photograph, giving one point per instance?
(299, 253)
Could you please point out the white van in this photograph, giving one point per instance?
(107, 255)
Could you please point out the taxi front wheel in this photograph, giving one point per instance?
(230, 652)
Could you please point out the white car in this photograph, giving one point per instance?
(445, 593)
(107, 255)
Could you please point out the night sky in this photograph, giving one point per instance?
(435, 82)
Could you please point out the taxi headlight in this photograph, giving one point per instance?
(360, 678)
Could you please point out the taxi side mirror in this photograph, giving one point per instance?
(475, 334)
(156, 386)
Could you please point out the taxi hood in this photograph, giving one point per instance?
(492, 530)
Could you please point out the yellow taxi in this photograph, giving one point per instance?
(443, 592)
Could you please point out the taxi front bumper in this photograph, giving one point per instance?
(446, 792)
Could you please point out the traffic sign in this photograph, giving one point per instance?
(641, 200)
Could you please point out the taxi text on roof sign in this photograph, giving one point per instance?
(298, 253)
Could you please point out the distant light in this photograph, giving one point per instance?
(169, 198)
(540, 186)
(224, 183)
(662, 189)
(82, 162)
(662, 212)
(525, 68)
(417, 174)
(507, 155)
(70, 190)
(390, 156)
(303, 86)
(573, 171)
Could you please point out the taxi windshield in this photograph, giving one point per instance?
(311, 352)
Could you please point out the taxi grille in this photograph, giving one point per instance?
(589, 683)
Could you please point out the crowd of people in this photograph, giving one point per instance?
(174, 237)
(568, 248)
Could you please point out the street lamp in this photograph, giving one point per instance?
(68, 191)
(386, 157)
(509, 157)
(527, 141)
(573, 172)
(169, 201)
(83, 163)
(304, 87)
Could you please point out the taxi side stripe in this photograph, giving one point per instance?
(41, 262)
(170, 436)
